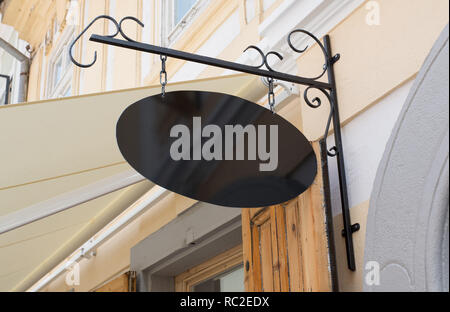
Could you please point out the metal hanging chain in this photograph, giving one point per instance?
(271, 95)
(163, 74)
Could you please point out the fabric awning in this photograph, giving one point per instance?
(53, 147)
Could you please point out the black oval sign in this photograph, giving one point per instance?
(216, 148)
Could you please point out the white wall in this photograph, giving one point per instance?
(221, 38)
(364, 140)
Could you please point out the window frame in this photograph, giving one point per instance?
(216, 266)
(58, 89)
(198, 234)
(170, 31)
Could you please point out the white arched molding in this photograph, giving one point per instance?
(407, 226)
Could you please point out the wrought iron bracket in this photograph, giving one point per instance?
(327, 89)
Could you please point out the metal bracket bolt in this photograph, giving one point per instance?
(335, 58)
(355, 228)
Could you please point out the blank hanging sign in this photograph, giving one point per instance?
(216, 148)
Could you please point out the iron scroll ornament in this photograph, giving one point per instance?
(119, 29)
(328, 89)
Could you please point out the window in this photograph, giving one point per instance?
(250, 10)
(68, 91)
(57, 71)
(60, 67)
(181, 7)
(267, 4)
(55, 26)
(223, 273)
(5, 89)
(177, 15)
(231, 281)
(202, 243)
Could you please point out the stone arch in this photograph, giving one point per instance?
(407, 225)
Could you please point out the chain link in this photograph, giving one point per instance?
(271, 95)
(163, 74)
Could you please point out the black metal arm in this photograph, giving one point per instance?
(328, 89)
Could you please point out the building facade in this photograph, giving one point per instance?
(178, 244)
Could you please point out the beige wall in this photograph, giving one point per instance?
(375, 61)
(125, 69)
(124, 66)
(34, 27)
(348, 280)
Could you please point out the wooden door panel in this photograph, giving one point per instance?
(286, 246)
(266, 255)
(293, 246)
(279, 236)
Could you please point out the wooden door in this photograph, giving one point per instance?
(286, 247)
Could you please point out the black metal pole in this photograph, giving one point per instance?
(7, 87)
(143, 47)
(348, 228)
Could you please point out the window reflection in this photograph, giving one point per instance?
(231, 281)
(181, 8)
